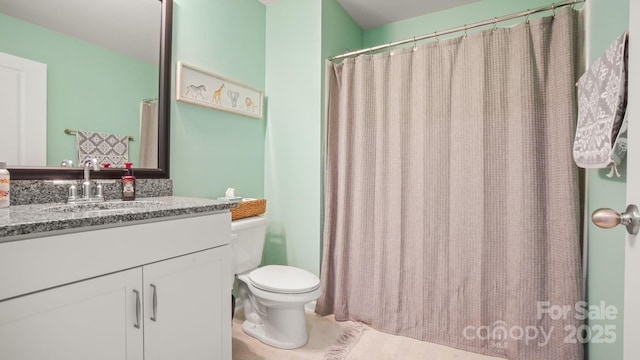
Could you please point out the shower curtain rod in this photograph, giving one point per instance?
(464, 28)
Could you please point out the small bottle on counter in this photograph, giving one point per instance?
(128, 183)
(5, 184)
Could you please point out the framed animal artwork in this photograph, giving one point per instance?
(201, 87)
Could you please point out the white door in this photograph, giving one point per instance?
(23, 110)
(92, 319)
(187, 307)
(631, 320)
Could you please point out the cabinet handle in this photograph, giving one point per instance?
(154, 317)
(137, 324)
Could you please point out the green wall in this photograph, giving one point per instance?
(605, 279)
(78, 95)
(213, 149)
(293, 142)
(300, 36)
(339, 31)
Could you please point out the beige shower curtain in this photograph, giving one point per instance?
(451, 198)
(148, 134)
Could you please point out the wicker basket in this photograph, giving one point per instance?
(248, 208)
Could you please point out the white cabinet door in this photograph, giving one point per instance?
(187, 307)
(92, 319)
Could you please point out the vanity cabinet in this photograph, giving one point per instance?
(173, 304)
(187, 307)
(90, 319)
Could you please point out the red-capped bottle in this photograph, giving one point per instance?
(128, 183)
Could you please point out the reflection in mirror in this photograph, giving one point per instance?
(93, 82)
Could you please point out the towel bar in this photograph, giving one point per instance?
(72, 132)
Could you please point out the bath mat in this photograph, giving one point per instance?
(324, 334)
(344, 340)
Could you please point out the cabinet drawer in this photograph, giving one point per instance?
(40, 263)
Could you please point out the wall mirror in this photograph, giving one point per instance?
(98, 106)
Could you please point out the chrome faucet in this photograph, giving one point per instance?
(86, 185)
(88, 164)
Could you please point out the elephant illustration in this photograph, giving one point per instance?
(233, 95)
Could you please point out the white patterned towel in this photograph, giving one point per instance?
(600, 139)
(105, 147)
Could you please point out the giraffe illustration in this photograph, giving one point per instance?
(217, 94)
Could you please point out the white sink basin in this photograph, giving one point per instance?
(110, 206)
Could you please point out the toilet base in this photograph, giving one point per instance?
(257, 331)
(282, 327)
(276, 319)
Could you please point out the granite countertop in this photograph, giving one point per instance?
(26, 220)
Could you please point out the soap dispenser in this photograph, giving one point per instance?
(128, 183)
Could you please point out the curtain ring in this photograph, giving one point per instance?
(435, 33)
(553, 8)
(495, 24)
(415, 46)
(392, 51)
(526, 20)
(465, 31)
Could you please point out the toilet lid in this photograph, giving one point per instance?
(284, 279)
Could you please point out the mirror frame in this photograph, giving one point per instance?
(164, 109)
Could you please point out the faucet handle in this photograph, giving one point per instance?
(73, 193)
(99, 192)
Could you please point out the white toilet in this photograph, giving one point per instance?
(273, 296)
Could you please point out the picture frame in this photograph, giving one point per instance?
(201, 87)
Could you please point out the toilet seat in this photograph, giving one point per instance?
(284, 279)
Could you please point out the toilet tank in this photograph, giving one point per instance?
(247, 242)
